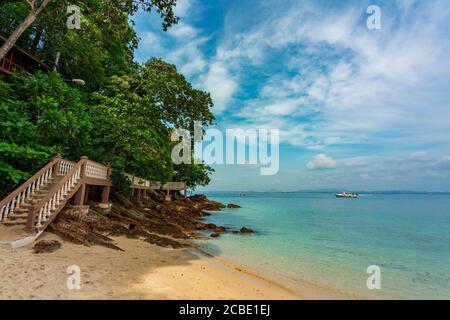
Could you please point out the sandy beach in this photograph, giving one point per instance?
(143, 271)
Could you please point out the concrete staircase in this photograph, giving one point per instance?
(19, 216)
(26, 212)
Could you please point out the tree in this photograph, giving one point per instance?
(128, 133)
(194, 174)
(40, 115)
(133, 116)
(107, 20)
(123, 116)
(36, 8)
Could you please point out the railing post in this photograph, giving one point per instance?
(105, 194)
(138, 196)
(80, 195)
(31, 220)
(83, 166)
(108, 171)
(57, 159)
(86, 194)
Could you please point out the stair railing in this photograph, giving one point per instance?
(27, 189)
(97, 170)
(174, 186)
(43, 212)
(64, 167)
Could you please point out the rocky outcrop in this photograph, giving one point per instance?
(233, 206)
(167, 224)
(164, 223)
(246, 230)
(219, 229)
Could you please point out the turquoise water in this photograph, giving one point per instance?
(331, 242)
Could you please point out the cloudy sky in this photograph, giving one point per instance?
(357, 109)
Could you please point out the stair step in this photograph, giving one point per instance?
(39, 197)
(11, 223)
(19, 215)
(40, 192)
(17, 218)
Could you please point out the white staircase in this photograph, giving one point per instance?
(26, 212)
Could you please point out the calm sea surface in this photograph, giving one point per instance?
(331, 242)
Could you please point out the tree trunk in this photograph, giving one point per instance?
(21, 28)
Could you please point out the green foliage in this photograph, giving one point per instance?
(176, 101)
(121, 182)
(40, 115)
(194, 174)
(103, 47)
(134, 113)
(124, 114)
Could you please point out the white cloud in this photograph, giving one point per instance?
(221, 84)
(183, 31)
(355, 161)
(443, 163)
(152, 42)
(354, 82)
(183, 8)
(420, 156)
(321, 161)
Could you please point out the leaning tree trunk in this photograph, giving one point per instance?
(11, 41)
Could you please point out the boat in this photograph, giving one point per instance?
(347, 195)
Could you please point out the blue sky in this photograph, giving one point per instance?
(357, 109)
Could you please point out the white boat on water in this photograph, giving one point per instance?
(347, 195)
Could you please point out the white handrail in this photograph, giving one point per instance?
(96, 170)
(25, 191)
(65, 166)
(45, 209)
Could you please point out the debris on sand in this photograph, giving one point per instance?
(46, 246)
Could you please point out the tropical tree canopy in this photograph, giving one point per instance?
(124, 114)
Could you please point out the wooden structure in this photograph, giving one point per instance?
(174, 186)
(39, 200)
(20, 60)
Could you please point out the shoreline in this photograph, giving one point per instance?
(155, 263)
(142, 271)
(303, 288)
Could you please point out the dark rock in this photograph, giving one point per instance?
(155, 221)
(156, 196)
(215, 235)
(246, 230)
(233, 206)
(219, 229)
(235, 232)
(46, 246)
(204, 226)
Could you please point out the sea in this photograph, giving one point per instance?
(382, 246)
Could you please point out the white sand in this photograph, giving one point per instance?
(143, 271)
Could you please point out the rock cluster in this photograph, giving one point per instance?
(160, 222)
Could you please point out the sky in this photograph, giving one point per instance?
(357, 109)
